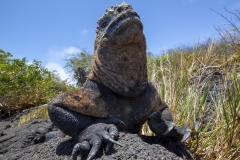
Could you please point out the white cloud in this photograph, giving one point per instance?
(57, 61)
(62, 53)
(84, 32)
(53, 66)
(71, 50)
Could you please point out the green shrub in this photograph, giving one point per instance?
(24, 85)
(80, 65)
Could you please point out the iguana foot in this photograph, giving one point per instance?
(91, 138)
(159, 125)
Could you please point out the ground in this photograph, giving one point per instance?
(27, 142)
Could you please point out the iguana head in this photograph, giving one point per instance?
(120, 52)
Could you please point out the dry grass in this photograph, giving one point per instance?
(40, 112)
(172, 74)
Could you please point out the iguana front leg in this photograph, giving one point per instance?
(91, 138)
(72, 123)
(161, 123)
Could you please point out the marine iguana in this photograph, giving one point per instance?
(117, 90)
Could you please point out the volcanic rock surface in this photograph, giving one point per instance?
(28, 142)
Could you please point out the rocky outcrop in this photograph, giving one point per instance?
(28, 142)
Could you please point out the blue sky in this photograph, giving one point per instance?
(47, 30)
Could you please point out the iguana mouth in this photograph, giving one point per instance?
(120, 25)
(125, 20)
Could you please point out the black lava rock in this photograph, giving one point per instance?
(28, 142)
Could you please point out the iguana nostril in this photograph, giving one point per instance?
(77, 98)
(119, 10)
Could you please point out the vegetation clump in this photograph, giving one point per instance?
(201, 85)
(180, 76)
(80, 65)
(39, 112)
(24, 85)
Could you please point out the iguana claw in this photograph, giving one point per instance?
(164, 127)
(187, 135)
(170, 125)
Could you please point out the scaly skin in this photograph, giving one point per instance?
(92, 137)
(117, 88)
